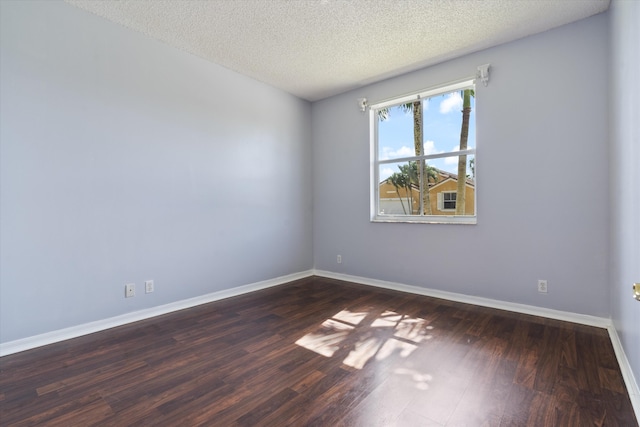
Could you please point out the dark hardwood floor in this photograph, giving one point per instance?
(320, 352)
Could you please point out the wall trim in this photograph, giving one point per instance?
(111, 322)
(29, 343)
(625, 368)
(600, 322)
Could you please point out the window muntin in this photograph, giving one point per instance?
(448, 200)
(417, 156)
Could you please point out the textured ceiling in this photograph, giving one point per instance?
(318, 48)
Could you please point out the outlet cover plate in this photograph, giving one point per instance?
(129, 290)
(542, 286)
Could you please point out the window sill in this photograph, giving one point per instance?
(440, 219)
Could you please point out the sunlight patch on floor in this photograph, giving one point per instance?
(394, 334)
(327, 340)
(364, 350)
(350, 317)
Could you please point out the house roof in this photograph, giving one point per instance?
(446, 176)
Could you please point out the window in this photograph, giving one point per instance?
(447, 201)
(423, 149)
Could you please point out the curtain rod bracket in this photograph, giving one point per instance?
(362, 104)
(483, 74)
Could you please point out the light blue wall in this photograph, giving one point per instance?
(542, 171)
(625, 175)
(123, 159)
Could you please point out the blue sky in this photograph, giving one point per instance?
(442, 120)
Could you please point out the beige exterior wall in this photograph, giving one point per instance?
(452, 185)
(389, 198)
(389, 195)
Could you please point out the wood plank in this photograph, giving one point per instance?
(274, 358)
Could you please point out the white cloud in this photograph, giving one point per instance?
(430, 148)
(404, 151)
(452, 102)
(385, 173)
(390, 153)
(452, 160)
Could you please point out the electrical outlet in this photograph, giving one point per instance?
(542, 286)
(130, 290)
(148, 286)
(339, 259)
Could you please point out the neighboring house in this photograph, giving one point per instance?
(442, 194)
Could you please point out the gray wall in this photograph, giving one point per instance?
(542, 171)
(124, 159)
(625, 175)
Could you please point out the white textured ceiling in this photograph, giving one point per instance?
(318, 48)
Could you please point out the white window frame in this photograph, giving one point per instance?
(375, 163)
(442, 201)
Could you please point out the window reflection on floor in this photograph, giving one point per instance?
(327, 340)
(361, 336)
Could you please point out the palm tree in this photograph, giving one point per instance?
(398, 180)
(423, 180)
(430, 174)
(412, 178)
(462, 160)
(409, 172)
(416, 109)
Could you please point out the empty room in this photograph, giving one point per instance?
(319, 213)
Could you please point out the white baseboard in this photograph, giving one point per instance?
(100, 325)
(584, 319)
(627, 373)
(601, 322)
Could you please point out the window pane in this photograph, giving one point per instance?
(437, 124)
(398, 189)
(442, 122)
(445, 190)
(395, 133)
